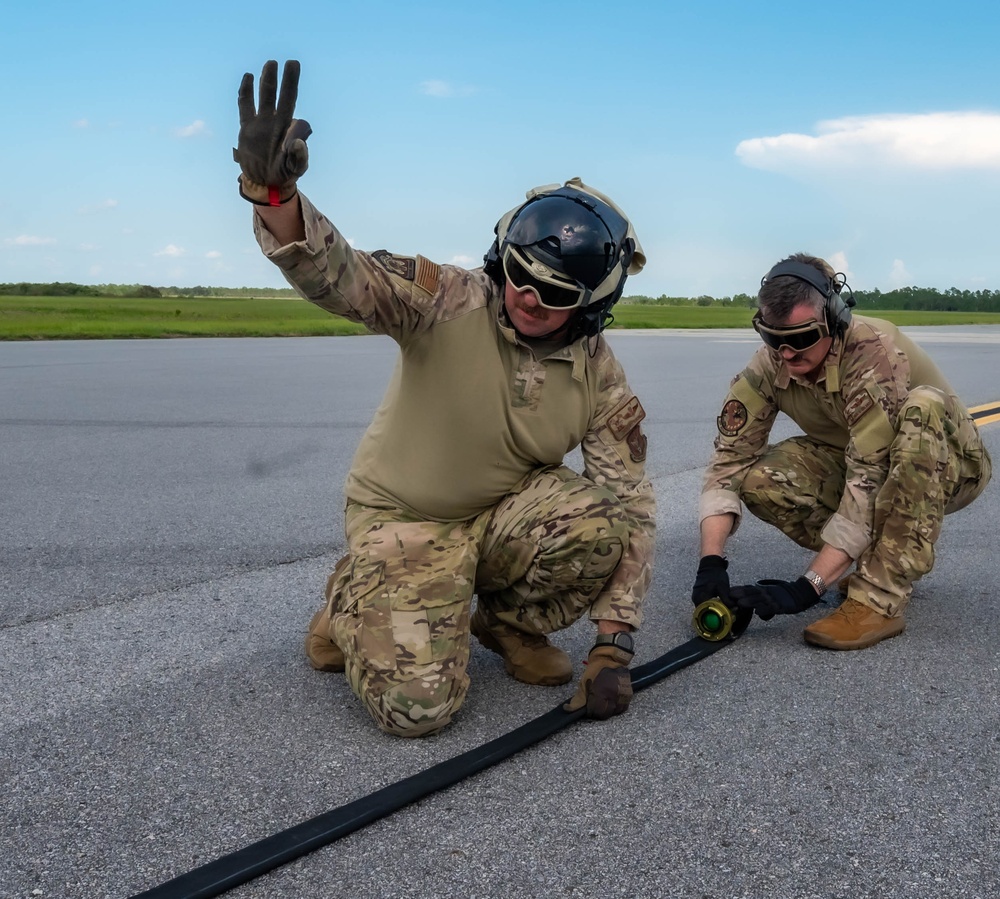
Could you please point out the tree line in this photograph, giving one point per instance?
(928, 299)
(916, 298)
(136, 291)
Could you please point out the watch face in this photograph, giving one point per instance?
(624, 641)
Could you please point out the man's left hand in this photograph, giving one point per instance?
(606, 686)
(772, 597)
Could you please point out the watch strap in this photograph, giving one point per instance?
(816, 581)
(620, 640)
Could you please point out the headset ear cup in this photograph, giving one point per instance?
(838, 313)
(492, 266)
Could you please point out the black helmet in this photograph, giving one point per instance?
(570, 245)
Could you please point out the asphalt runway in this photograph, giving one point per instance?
(169, 511)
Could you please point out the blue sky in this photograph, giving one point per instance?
(731, 133)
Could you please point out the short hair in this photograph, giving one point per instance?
(779, 296)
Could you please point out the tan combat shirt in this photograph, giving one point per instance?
(470, 410)
(853, 406)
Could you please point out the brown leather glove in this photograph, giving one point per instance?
(272, 149)
(606, 686)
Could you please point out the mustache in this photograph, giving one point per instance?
(539, 312)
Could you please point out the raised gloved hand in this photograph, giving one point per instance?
(712, 580)
(771, 597)
(272, 149)
(606, 686)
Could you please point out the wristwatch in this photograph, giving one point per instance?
(620, 640)
(816, 581)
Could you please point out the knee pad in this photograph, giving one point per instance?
(923, 424)
(607, 553)
(927, 399)
(419, 705)
(755, 484)
(767, 492)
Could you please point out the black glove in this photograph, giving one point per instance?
(606, 686)
(770, 597)
(712, 580)
(272, 149)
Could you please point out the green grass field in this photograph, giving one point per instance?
(89, 318)
(62, 318)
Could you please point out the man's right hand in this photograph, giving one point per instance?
(272, 149)
(712, 580)
(770, 597)
(606, 686)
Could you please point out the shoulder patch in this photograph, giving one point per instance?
(854, 411)
(637, 443)
(428, 275)
(753, 401)
(403, 266)
(732, 419)
(626, 417)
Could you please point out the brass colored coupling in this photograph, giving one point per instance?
(713, 620)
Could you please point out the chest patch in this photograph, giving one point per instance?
(732, 419)
(857, 407)
(404, 266)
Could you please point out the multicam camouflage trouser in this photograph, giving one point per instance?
(400, 601)
(937, 465)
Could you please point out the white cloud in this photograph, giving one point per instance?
(436, 88)
(81, 123)
(213, 254)
(898, 275)
(170, 250)
(464, 261)
(936, 141)
(839, 262)
(89, 247)
(195, 129)
(29, 240)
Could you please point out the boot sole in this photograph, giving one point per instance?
(861, 643)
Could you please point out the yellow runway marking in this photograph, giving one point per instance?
(986, 414)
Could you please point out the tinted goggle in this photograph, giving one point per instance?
(797, 337)
(551, 291)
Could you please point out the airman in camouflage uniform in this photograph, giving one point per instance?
(888, 449)
(458, 487)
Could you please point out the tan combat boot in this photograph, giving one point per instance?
(853, 625)
(322, 652)
(529, 658)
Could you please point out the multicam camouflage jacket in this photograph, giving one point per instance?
(853, 405)
(471, 409)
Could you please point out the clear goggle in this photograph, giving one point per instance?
(797, 338)
(551, 289)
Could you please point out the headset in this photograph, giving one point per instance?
(837, 307)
